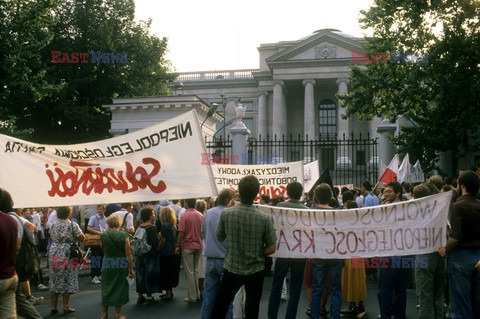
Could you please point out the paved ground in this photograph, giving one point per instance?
(87, 302)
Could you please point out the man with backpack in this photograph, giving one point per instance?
(126, 216)
(26, 262)
(8, 248)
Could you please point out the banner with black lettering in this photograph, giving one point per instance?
(159, 162)
(406, 228)
(273, 178)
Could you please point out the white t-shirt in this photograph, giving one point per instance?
(37, 220)
(128, 221)
(51, 219)
(20, 224)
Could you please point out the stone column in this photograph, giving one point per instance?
(385, 150)
(262, 115)
(309, 111)
(343, 126)
(279, 110)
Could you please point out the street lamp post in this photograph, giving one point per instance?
(224, 104)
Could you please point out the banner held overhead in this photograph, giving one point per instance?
(158, 162)
(273, 178)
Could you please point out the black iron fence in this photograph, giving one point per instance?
(350, 160)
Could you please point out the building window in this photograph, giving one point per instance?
(327, 118)
(249, 124)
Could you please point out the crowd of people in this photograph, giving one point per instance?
(223, 245)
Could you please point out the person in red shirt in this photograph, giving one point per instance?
(8, 249)
(189, 242)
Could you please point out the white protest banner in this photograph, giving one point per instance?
(273, 178)
(311, 175)
(405, 228)
(158, 162)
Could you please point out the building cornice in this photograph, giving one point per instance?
(309, 63)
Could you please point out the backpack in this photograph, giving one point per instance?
(140, 245)
(27, 263)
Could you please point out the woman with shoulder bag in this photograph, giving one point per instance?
(147, 265)
(64, 270)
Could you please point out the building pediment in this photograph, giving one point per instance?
(322, 45)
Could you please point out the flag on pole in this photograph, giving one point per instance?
(391, 172)
(404, 170)
(416, 173)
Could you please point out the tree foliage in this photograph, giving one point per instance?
(62, 102)
(440, 96)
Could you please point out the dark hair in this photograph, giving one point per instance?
(294, 190)
(351, 204)
(323, 193)
(344, 189)
(126, 205)
(347, 196)
(471, 181)
(248, 188)
(274, 201)
(63, 212)
(265, 198)
(447, 180)
(336, 191)
(333, 202)
(420, 191)
(146, 213)
(6, 202)
(280, 198)
(225, 196)
(397, 188)
(407, 187)
(367, 185)
(191, 202)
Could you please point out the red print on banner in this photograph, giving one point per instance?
(83, 179)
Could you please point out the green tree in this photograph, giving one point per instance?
(68, 105)
(439, 92)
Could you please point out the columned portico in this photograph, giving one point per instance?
(309, 110)
(262, 114)
(279, 126)
(342, 125)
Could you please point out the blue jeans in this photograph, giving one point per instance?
(320, 268)
(297, 270)
(390, 279)
(464, 282)
(213, 278)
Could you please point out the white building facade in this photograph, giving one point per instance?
(292, 93)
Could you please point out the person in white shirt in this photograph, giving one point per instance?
(51, 218)
(25, 225)
(126, 216)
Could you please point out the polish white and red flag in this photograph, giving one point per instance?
(391, 172)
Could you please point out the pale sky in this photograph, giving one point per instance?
(208, 35)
